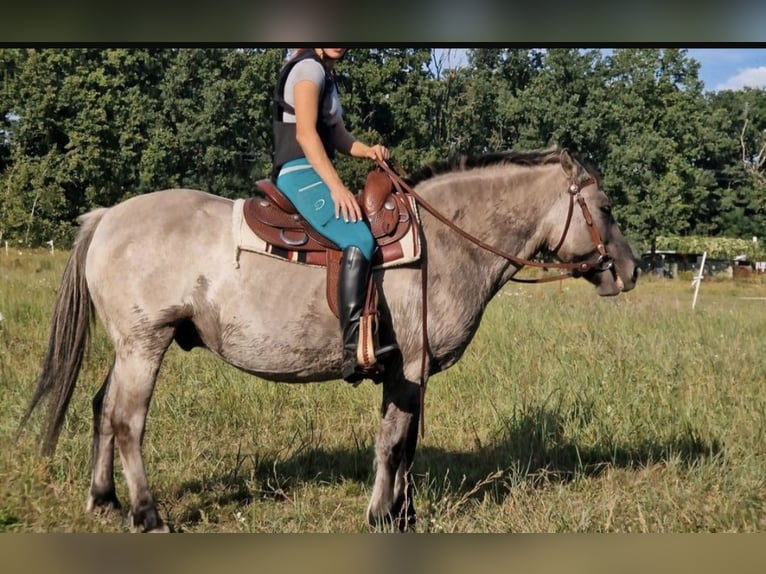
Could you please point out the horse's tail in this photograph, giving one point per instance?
(69, 334)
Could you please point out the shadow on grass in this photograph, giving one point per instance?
(531, 448)
(254, 478)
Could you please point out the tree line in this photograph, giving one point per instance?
(88, 127)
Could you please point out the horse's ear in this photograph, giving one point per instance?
(568, 164)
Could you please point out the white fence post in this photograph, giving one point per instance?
(698, 279)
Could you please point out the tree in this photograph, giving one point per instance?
(213, 131)
(655, 143)
(488, 113)
(563, 102)
(87, 127)
(51, 143)
(90, 127)
(382, 92)
(740, 128)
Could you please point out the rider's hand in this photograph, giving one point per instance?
(378, 152)
(346, 205)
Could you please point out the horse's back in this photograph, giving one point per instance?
(169, 215)
(168, 204)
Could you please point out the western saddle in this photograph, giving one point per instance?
(390, 214)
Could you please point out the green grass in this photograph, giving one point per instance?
(568, 413)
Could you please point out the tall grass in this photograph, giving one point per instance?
(568, 413)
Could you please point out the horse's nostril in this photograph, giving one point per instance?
(636, 273)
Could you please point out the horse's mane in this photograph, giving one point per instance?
(464, 162)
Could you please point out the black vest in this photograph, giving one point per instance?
(286, 147)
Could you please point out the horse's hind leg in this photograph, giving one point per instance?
(124, 399)
(395, 445)
(103, 496)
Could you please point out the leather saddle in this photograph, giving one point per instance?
(390, 214)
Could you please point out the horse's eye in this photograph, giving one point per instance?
(606, 209)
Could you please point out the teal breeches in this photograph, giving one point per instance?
(311, 197)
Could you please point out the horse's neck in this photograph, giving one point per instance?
(463, 276)
(506, 209)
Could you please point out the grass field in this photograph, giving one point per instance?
(568, 413)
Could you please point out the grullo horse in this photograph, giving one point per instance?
(158, 268)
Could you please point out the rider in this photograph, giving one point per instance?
(308, 128)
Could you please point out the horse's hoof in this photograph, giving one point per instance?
(146, 519)
(103, 504)
(160, 528)
(391, 521)
(405, 522)
(404, 516)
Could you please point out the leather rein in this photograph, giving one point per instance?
(603, 263)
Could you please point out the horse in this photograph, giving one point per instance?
(157, 268)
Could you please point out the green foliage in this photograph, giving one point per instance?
(87, 127)
(657, 114)
(740, 124)
(382, 94)
(716, 247)
(92, 127)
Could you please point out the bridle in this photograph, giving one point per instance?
(603, 263)
(574, 189)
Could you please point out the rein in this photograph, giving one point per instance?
(603, 263)
(574, 189)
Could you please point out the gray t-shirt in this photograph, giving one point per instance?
(308, 69)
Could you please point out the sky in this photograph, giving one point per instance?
(731, 68)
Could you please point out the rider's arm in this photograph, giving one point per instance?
(348, 144)
(306, 110)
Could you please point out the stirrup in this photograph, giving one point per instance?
(358, 374)
(374, 372)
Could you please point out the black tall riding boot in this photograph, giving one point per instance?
(352, 291)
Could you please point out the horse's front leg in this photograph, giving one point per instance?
(391, 499)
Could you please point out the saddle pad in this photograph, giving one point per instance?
(404, 251)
